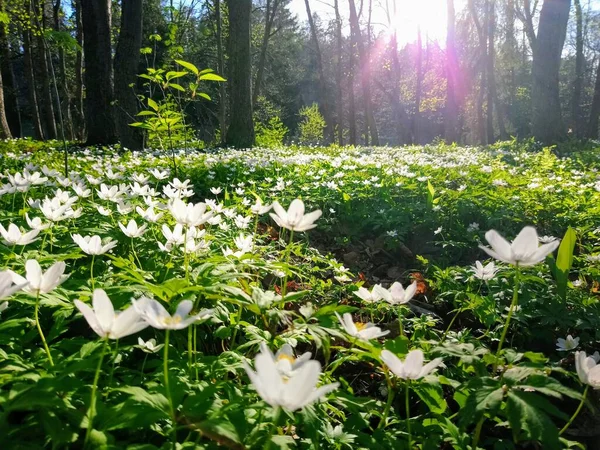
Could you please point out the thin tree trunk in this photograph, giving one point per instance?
(99, 88)
(32, 91)
(338, 73)
(324, 103)
(592, 126)
(271, 11)
(579, 71)
(11, 100)
(126, 64)
(365, 74)
(241, 125)
(491, 77)
(4, 128)
(221, 69)
(79, 109)
(66, 95)
(452, 108)
(547, 123)
(418, 89)
(482, 58)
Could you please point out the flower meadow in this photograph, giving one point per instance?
(336, 298)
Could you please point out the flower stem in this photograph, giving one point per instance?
(190, 351)
(390, 399)
(92, 411)
(513, 305)
(577, 411)
(92, 271)
(276, 416)
(39, 327)
(450, 325)
(168, 389)
(407, 405)
(286, 258)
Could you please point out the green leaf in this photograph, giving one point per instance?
(526, 413)
(172, 75)
(564, 261)
(211, 77)
(152, 104)
(432, 395)
(188, 66)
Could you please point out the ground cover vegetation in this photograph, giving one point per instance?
(299, 297)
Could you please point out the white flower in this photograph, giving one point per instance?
(149, 346)
(588, 369)
(364, 331)
(103, 211)
(412, 368)
(294, 218)
(563, 345)
(307, 310)
(242, 222)
(291, 392)
(189, 214)
(396, 295)
(132, 230)
(158, 317)
(438, 231)
(486, 272)
(38, 282)
(111, 193)
(14, 235)
(546, 239)
(473, 227)
(258, 208)
(369, 297)
(149, 214)
(175, 237)
(92, 245)
(523, 251)
(105, 322)
(244, 245)
(36, 223)
(159, 174)
(287, 364)
(392, 233)
(7, 288)
(216, 190)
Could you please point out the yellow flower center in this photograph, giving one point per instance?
(286, 357)
(172, 320)
(360, 326)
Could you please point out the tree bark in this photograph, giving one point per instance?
(221, 68)
(365, 74)
(66, 95)
(271, 11)
(418, 89)
(324, 103)
(576, 118)
(547, 123)
(4, 128)
(78, 101)
(126, 64)
(241, 127)
(338, 73)
(98, 77)
(592, 126)
(32, 91)
(451, 112)
(11, 100)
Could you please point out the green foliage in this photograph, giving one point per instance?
(270, 131)
(311, 125)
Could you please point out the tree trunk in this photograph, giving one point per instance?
(576, 119)
(32, 92)
(547, 124)
(452, 74)
(98, 77)
(241, 126)
(418, 89)
(4, 128)
(79, 112)
(66, 95)
(592, 127)
(127, 59)
(338, 73)
(11, 101)
(491, 78)
(221, 69)
(271, 10)
(365, 74)
(330, 126)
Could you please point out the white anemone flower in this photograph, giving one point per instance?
(92, 245)
(38, 282)
(564, 345)
(412, 367)
(294, 218)
(149, 214)
(588, 369)
(258, 208)
(149, 346)
(36, 223)
(14, 235)
(189, 214)
(132, 230)
(292, 391)
(486, 272)
(7, 288)
(396, 294)
(370, 297)
(287, 364)
(523, 251)
(158, 317)
(364, 331)
(106, 322)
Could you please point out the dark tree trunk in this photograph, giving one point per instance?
(78, 101)
(338, 73)
(66, 95)
(576, 119)
(271, 11)
(127, 59)
(100, 122)
(4, 128)
(592, 127)
(365, 74)
(547, 123)
(491, 78)
(11, 101)
(241, 125)
(482, 65)
(324, 103)
(221, 68)
(451, 112)
(31, 82)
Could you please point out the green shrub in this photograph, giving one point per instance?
(311, 125)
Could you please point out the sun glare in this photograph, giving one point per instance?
(409, 16)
